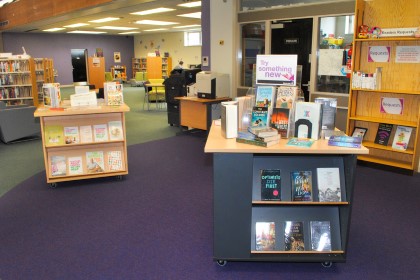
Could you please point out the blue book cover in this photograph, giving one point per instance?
(301, 185)
(260, 117)
(300, 142)
(265, 96)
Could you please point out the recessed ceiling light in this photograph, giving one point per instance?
(86, 32)
(191, 15)
(152, 11)
(104, 19)
(116, 28)
(155, 22)
(191, 4)
(54, 29)
(130, 32)
(187, 26)
(76, 25)
(157, 29)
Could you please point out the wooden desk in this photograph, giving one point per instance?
(196, 112)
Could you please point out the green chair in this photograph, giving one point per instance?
(139, 79)
(154, 94)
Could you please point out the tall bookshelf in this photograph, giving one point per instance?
(158, 67)
(135, 65)
(44, 72)
(400, 82)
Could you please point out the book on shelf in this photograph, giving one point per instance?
(71, 134)
(301, 185)
(345, 141)
(270, 184)
(401, 137)
(263, 131)
(320, 236)
(95, 161)
(359, 132)
(300, 142)
(54, 135)
(100, 132)
(383, 134)
(280, 120)
(265, 236)
(308, 120)
(113, 93)
(75, 165)
(86, 135)
(247, 137)
(286, 96)
(294, 236)
(260, 117)
(58, 166)
(115, 160)
(329, 189)
(115, 130)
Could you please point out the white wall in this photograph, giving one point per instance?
(172, 42)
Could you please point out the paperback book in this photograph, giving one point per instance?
(265, 236)
(383, 134)
(301, 185)
(294, 236)
(71, 135)
(95, 162)
(86, 134)
(308, 120)
(345, 141)
(263, 131)
(286, 96)
(280, 120)
(401, 137)
(359, 132)
(115, 130)
(54, 135)
(115, 160)
(58, 166)
(75, 165)
(265, 96)
(270, 184)
(113, 93)
(320, 236)
(247, 137)
(100, 132)
(260, 117)
(329, 189)
(300, 142)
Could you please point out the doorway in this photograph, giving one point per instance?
(294, 37)
(79, 63)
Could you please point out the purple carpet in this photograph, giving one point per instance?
(157, 224)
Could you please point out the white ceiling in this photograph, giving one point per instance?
(121, 9)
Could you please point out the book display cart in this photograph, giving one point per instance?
(399, 82)
(83, 142)
(238, 203)
(18, 82)
(158, 67)
(119, 72)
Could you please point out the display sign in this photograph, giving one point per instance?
(398, 32)
(407, 54)
(276, 69)
(394, 106)
(379, 54)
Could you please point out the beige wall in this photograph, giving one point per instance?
(172, 42)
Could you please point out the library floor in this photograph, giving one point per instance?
(21, 160)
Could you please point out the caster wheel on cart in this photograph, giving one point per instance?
(221, 262)
(327, 264)
(119, 177)
(53, 185)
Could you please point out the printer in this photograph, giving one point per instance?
(211, 84)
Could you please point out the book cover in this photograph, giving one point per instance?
(280, 120)
(249, 138)
(329, 111)
(308, 120)
(286, 96)
(301, 185)
(264, 96)
(329, 188)
(383, 134)
(359, 132)
(58, 166)
(86, 134)
(265, 236)
(270, 184)
(259, 117)
(401, 137)
(54, 135)
(320, 235)
(75, 165)
(115, 160)
(293, 236)
(95, 162)
(100, 132)
(71, 135)
(113, 93)
(115, 130)
(300, 142)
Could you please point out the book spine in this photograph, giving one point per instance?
(344, 144)
(252, 142)
(356, 140)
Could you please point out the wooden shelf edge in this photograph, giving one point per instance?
(387, 91)
(297, 252)
(387, 148)
(383, 161)
(51, 147)
(380, 120)
(57, 179)
(388, 39)
(259, 202)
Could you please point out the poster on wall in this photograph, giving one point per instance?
(117, 57)
(276, 69)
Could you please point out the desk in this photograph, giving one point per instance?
(155, 87)
(196, 112)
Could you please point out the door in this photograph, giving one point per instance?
(294, 37)
(79, 63)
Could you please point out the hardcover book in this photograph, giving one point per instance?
(270, 184)
(329, 188)
(86, 134)
(71, 135)
(54, 135)
(293, 236)
(320, 236)
(100, 132)
(383, 134)
(301, 185)
(115, 130)
(58, 166)
(95, 162)
(75, 165)
(265, 236)
(115, 160)
(249, 138)
(286, 96)
(280, 120)
(401, 137)
(260, 117)
(308, 120)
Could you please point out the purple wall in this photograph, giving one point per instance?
(58, 46)
(205, 31)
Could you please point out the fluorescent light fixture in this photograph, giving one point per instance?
(54, 29)
(191, 15)
(129, 32)
(152, 11)
(191, 4)
(155, 22)
(4, 2)
(86, 32)
(116, 28)
(187, 26)
(76, 25)
(157, 29)
(104, 19)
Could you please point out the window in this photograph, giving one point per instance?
(192, 38)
